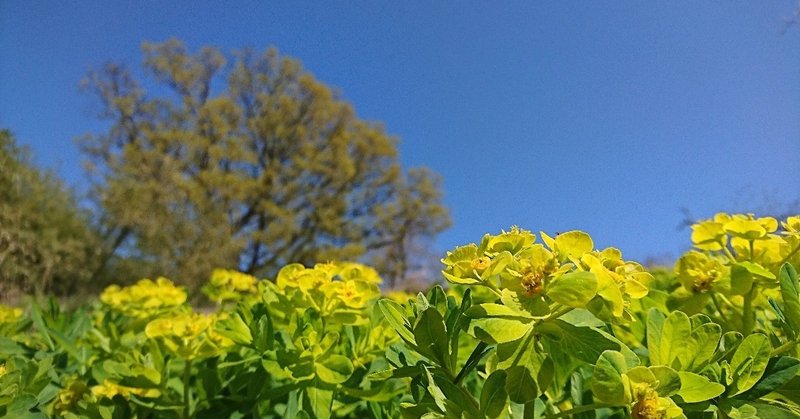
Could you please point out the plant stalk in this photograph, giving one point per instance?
(576, 410)
(187, 376)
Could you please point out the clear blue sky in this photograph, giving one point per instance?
(602, 116)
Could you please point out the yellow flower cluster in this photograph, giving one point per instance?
(742, 240)
(699, 272)
(69, 396)
(188, 335)
(10, 314)
(526, 268)
(144, 299)
(328, 286)
(110, 389)
(230, 285)
(2, 370)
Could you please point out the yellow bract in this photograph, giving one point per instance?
(399, 296)
(792, 224)
(710, 234)
(189, 335)
(327, 286)
(68, 397)
(110, 389)
(737, 245)
(230, 285)
(10, 314)
(699, 272)
(750, 228)
(144, 299)
(528, 273)
(572, 244)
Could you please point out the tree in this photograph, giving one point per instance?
(46, 242)
(413, 217)
(249, 165)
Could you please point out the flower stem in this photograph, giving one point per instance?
(747, 314)
(187, 375)
(783, 348)
(719, 309)
(576, 410)
(789, 256)
(727, 251)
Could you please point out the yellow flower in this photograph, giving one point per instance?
(750, 228)
(189, 335)
(512, 241)
(399, 296)
(110, 389)
(187, 326)
(10, 314)
(358, 272)
(356, 294)
(2, 370)
(766, 250)
(649, 405)
(230, 285)
(531, 270)
(570, 245)
(68, 397)
(699, 272)
(791, 225)
(144, 299)
(710, 234)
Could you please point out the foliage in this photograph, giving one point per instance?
(301, 346)
(572, 330)
(527, 330)
(46, 242)
(247, 162)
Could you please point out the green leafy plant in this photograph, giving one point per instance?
(525, 330)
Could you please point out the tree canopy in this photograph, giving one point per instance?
(46, 242)
(247, 161)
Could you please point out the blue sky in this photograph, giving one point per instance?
(602, 116)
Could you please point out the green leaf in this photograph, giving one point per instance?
(778, 372)
(676, 332)
(9, 347)
(655, 326)
(763, 409)
(493, 394)
(335, 369)
(741, 280)
(791, 390)
(498, 330)
(697, 388)
(756, 269)
(790, 293)
(520, 385)
(668, 382)
(435, 391)
(609, 383)
(20, 405)
(457, 399)
(393, 313)
(235, 329)
(320, 401)
(431, 336)
(703, 345)
(583, 343)
(749, 363)
(574, 289)
(486, 310)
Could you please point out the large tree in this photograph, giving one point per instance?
(46, 242)
(246, 161)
